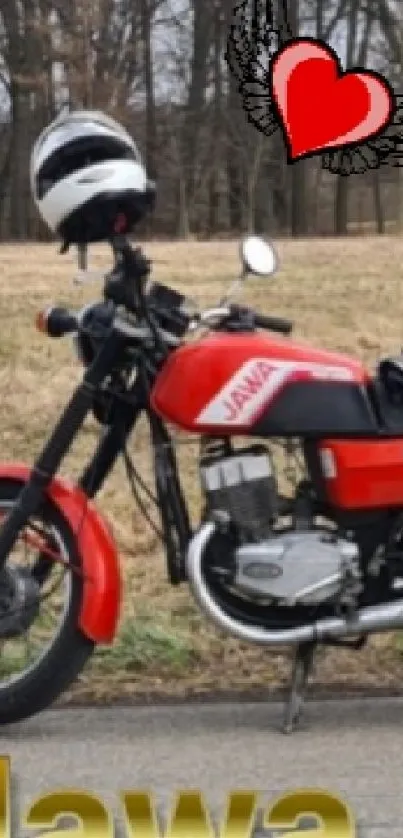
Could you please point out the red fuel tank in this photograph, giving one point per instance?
(257, 384)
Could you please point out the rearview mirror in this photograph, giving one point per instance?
(258, 256)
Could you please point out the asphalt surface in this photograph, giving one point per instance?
(353, 748)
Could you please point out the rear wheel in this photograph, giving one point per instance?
(42, 650)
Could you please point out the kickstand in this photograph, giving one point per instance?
(302, 667)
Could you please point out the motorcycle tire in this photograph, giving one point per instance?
(66, 656)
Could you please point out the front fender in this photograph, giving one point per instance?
(102, 587)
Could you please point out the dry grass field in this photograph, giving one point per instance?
(342, 294)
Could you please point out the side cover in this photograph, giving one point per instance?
(252, 383)
(363, 474)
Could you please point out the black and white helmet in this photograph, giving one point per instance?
(87, 178)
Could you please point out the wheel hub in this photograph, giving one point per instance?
(19, 602)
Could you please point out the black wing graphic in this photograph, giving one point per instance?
(253, 41)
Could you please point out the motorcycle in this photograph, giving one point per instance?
(322, 565)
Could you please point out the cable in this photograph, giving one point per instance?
(133, 475)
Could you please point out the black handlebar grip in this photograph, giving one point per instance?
(263, 321)
(275, 324)
(59, 322)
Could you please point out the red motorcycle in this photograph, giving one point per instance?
(322, 564)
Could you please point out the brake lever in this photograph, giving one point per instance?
(210, 317)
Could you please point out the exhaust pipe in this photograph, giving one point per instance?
(372, 619)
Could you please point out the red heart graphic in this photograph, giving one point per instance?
(322, 108)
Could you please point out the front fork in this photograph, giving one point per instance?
(57, 446)
(110, 446)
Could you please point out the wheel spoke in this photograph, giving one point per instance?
(19, 653)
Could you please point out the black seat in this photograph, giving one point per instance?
(387, 395)
(391, 375)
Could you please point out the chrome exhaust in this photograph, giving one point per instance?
(372, 619)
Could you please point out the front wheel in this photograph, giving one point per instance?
(42, 650)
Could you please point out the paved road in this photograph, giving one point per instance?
(353, 748)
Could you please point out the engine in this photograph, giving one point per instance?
(268, 562)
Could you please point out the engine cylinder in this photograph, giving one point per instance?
(242, 484)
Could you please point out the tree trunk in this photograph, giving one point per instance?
(183, 213)
(5, 180)
(216, 133)
(341, 206)
(19, 184)
(252, 178)
(342, 185)
(299, 216)
(379, 214)
(151, 124)
(234, 163)
(196, 96)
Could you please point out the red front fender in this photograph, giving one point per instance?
(102, 587)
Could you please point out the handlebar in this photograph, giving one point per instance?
(57, 321)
